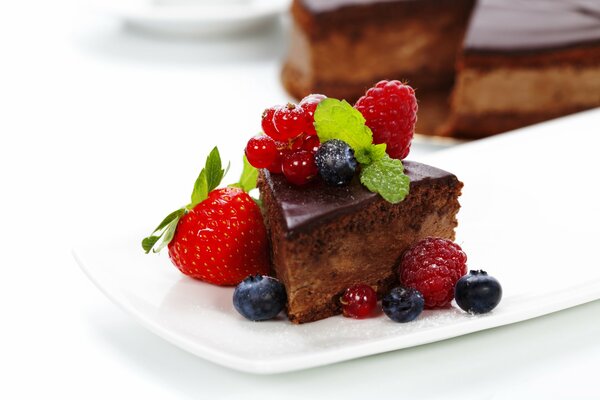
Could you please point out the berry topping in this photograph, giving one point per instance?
(433, 266)
(261, 151)
(267, 123)
(310, 103)
(335, 119)
(336, 163)
(358, 301)
(477, 292)
(390, 110)
(311, 143)
(289, 121)
(282, 150)
(220, 236)
(259, 297)
(403, 304)
(299, 167)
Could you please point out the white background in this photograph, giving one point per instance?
(103, 130)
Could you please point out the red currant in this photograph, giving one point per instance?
(311, 143)
(267, 123)
(298, 143)
(358, 301)
(282, 149)
(261, 151)
(309, 104)
(299, 167)
(289, 121)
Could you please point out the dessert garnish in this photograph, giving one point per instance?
(220, 236)
(390, 109)
(371, 137)
(403, 304)
(259, 298)
(433, 266)
(477, 292)
(336, 162)
(359, 301)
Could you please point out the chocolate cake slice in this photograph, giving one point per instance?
(342, 47)
(325, 239)
(526, 61)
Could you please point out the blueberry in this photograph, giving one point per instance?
(259, 297)
(403, 304)
(336, 163)
(477, 292)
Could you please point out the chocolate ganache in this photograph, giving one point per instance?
(304, 207)
(533, 25)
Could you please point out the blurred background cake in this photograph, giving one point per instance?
(479, 68)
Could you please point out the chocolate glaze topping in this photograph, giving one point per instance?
(526, 25)
(316, 203)
(500, 25)
(318, 6)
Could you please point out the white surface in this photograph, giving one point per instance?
(509, 222)
(86, 109)
(194, 17)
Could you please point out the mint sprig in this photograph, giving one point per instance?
(386, 177)
(335, 119)
(210, 178)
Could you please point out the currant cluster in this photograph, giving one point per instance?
(290, 141)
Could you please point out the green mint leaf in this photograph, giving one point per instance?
(386, 177)
(248, 178)
(170, 223)
(335, 119)
(370, 154)
(209, 178)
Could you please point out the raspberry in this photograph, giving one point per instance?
(261, 151)
(390, 108)
(358, 301)
(433, 266)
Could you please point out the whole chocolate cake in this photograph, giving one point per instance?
(522, 61)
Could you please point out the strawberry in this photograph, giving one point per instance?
(220, 237)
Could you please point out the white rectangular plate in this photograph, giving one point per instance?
(530, 216)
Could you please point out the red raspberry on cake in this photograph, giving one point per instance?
(433, 266)
(390, 108)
